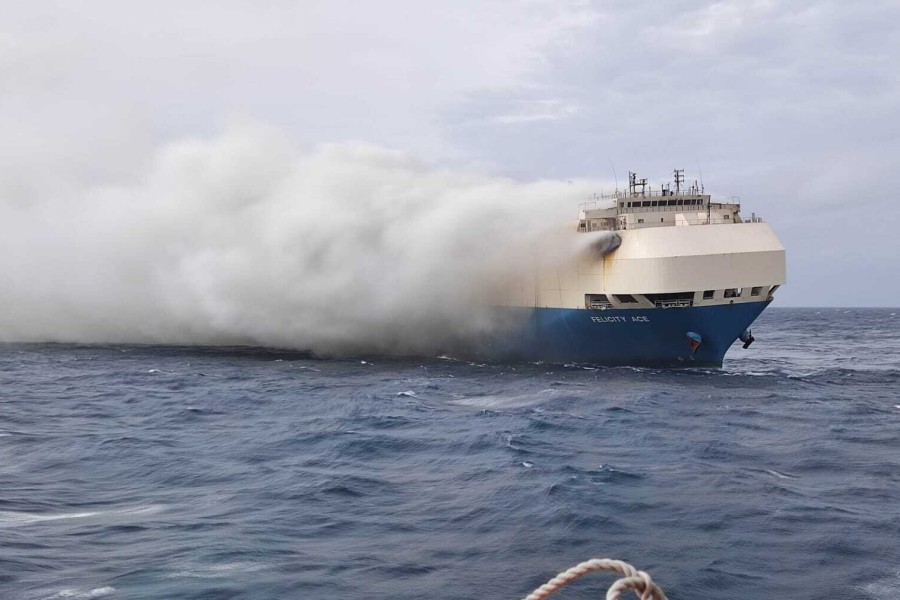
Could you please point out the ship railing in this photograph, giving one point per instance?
(694, 222)
(674, 303)
(599, 305)
(624, 195)
(618, 226)
(587, 228)
(685, 208)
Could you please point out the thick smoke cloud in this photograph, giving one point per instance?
(244, 239)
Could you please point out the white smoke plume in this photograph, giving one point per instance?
(243, 239)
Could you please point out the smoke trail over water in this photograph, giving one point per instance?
(242, 239)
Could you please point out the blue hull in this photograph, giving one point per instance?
(656, 337)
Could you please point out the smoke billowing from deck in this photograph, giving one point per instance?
(243, 239)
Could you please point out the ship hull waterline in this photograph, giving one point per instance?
(615, 337)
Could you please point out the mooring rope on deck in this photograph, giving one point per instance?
(637, 581)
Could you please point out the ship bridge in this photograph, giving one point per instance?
(642, 206)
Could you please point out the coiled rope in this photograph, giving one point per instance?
(637, 581)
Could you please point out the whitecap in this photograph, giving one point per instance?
(222, 570)
(94, 593)
(501, 402)
(884, 589)
(10, 518)
(780, 475)
(143, 509)
(408, 394)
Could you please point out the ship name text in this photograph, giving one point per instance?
(637, 319)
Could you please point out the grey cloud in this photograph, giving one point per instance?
(791, 105)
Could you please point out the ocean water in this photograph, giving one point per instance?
(170, 472)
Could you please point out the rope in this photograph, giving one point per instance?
(632, 579)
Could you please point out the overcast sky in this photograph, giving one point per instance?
(793, 106)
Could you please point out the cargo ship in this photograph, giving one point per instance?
(668, 277)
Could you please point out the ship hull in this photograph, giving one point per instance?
(651, 337)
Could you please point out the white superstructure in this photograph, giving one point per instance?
(676, 248)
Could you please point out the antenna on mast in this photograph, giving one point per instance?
(634, 182)
(679, 179)
(616, 177)
(702, 188)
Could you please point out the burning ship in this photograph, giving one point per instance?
(670, 277)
